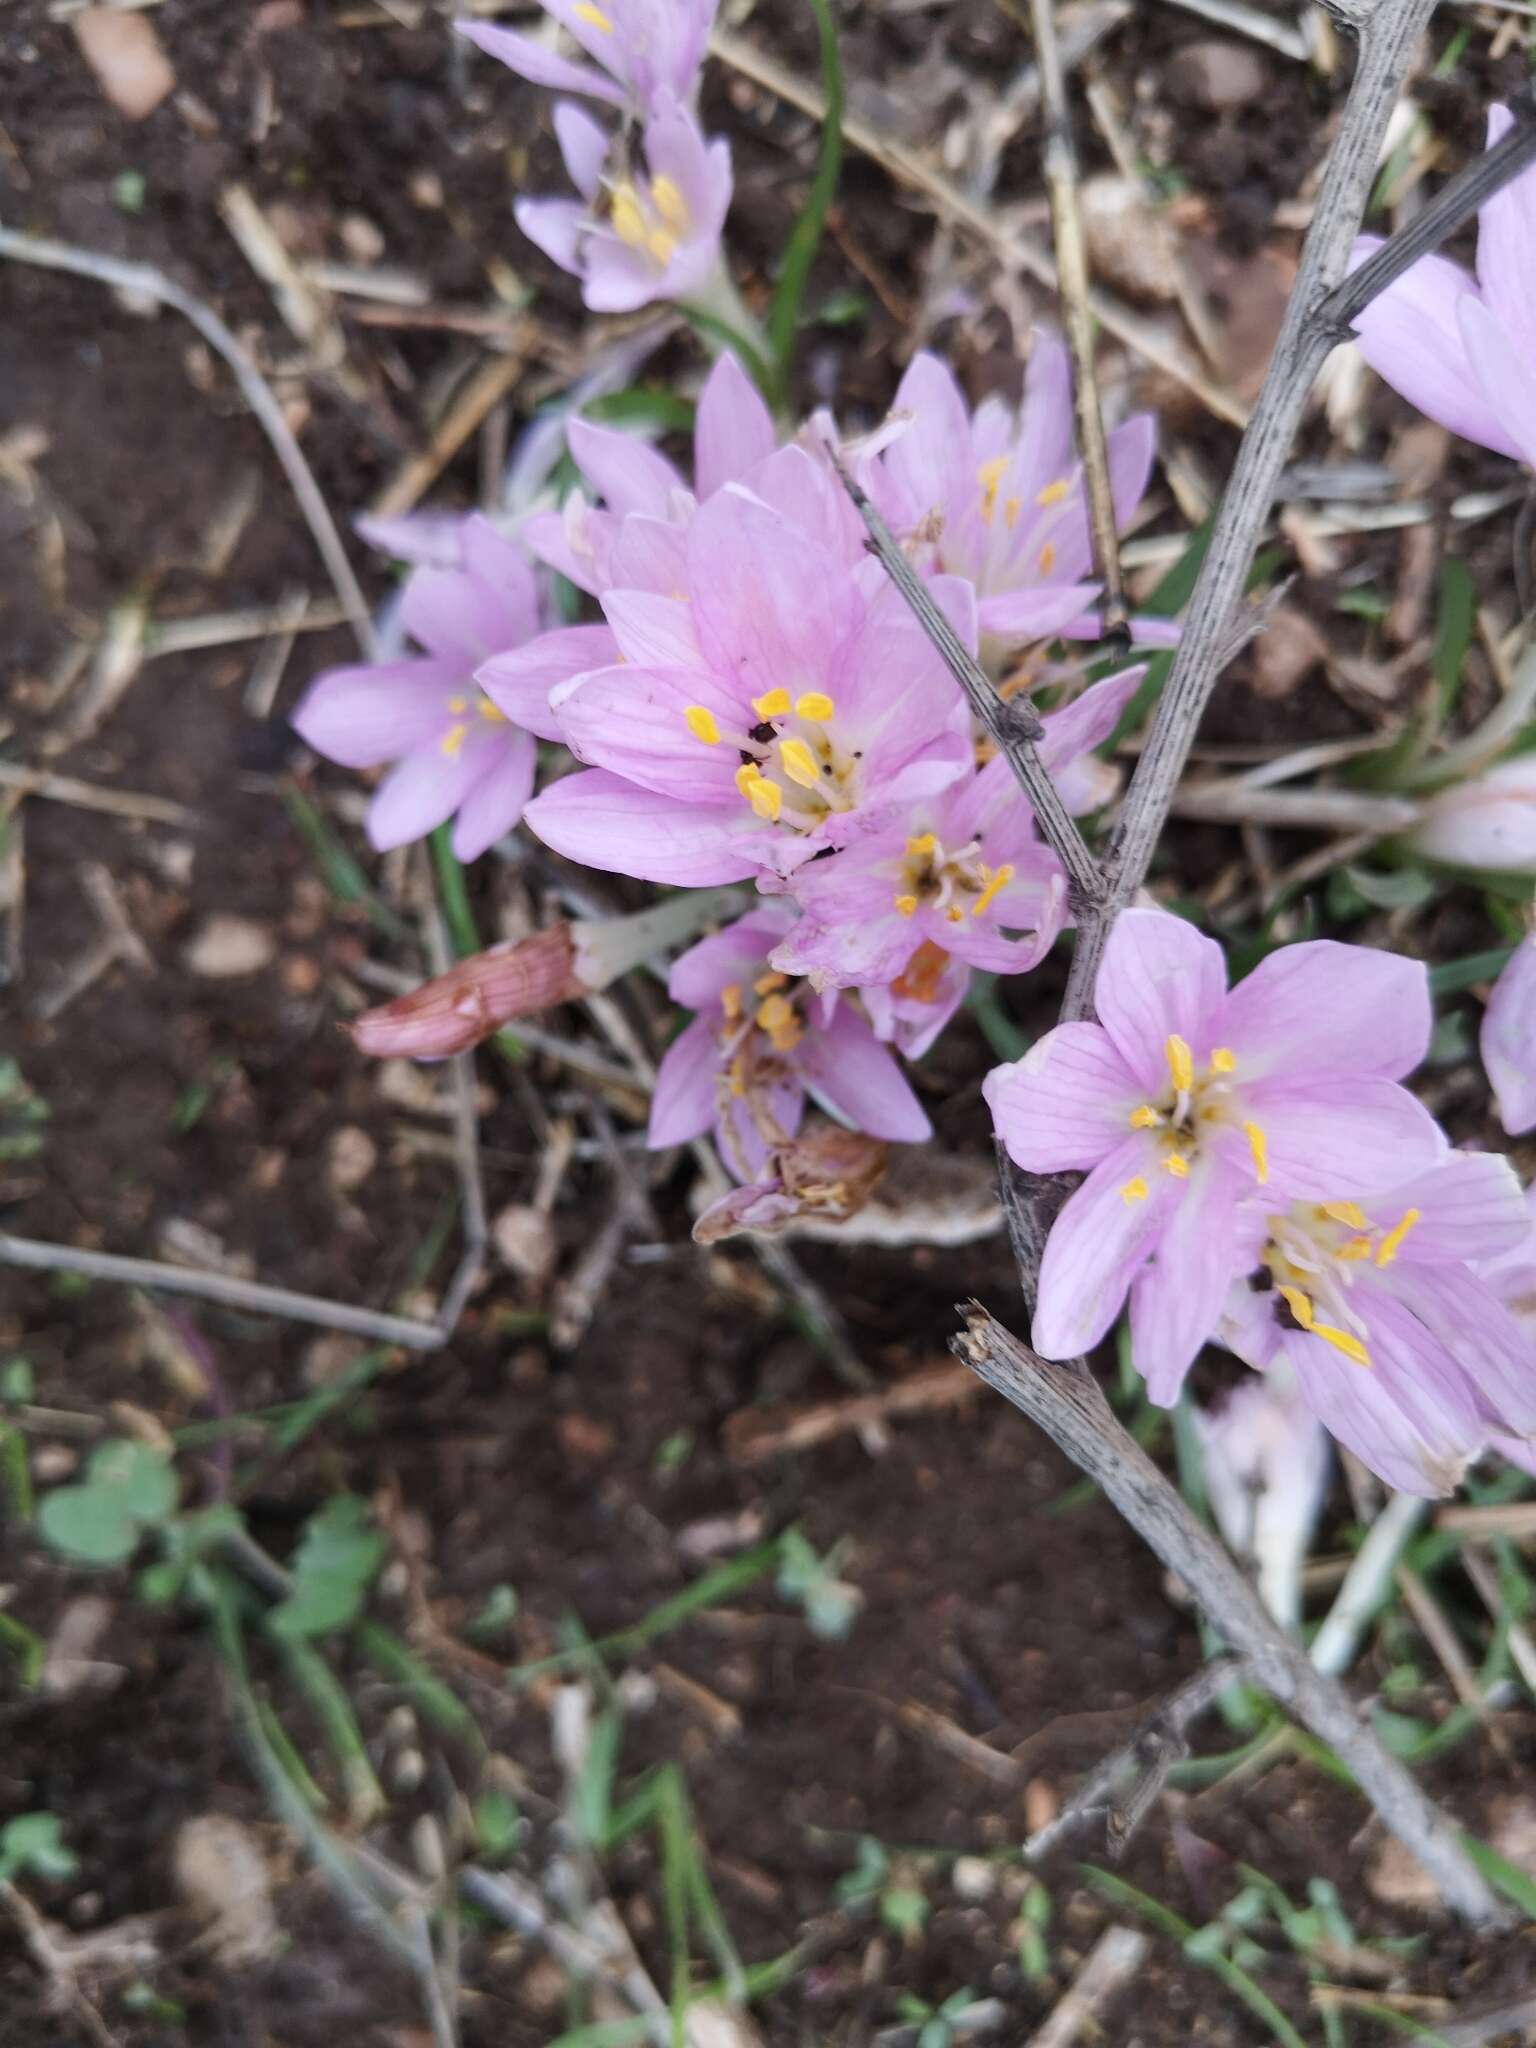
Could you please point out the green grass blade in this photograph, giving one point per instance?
(452, 895)
(805, 236)
(342, 875)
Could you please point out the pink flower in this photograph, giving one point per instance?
(759, 1044)
(636, 234)
(999, 498)
(1463, 349)
(1185, 1099)
(647, 48)
(1509, 1040)
(779, 705)
(1488, 821)
(1400, 1346)
(456, 753)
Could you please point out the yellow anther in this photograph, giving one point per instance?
(1177, 1165)
(730, 1002)
(1134, 1190)
(458, 706)
(999, 879)
(629, 222)
(772, 704)
(774, 1014)
(1341, 1340)
(955, 914)
(453, 740)
(765, 984)
(1048, 558)
(701, 723)
(1053, 493)
(1260, 1151)
(670, 204)
(738, 1073)
(491, 713)
(1181, 1065)
(799, 763)
(585, 11)
(746, 775)
(659, 246)
(925, 842)
(1011, 509)
(1348, 1213)
(989, 476)
(815, 705)
(1354, 1248)
(766, 798)
(907, 905)
(1145, 1118)
(1223, 1060)
(1299, 1304)
(1392, 1243)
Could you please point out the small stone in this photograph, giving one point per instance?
(1216, 76)
(225, 947)
(1397, 1878)
(350, 1156)
(1129, 244)
(525, 1242)
(1285, 654)
(125, 53)
(329, 1357)
(53, 1462)
(362, 238)
(222, 1875)
(974, 1877)
(299, 974)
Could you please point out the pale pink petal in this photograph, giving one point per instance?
(627, 474)
(930, 466)
(1096, 1246)
(733, 430)
(360, 716)
(1037, 612)
(1131, 452)
(649, 554)
(1469, 1207)
(1337, 1135)
(556, 226)
(1160, 978)
(1476, 1330)
(652, 631)
(1506, 236)
(736, 954)
(1176, 1300)
(1323, 1008)
(856, 1078)
(503, 567)
(1509, 1040)
(532, 61)
(768, 609)
(1066, 1103)
(1088, 720)
(1503, 370)
(1412, 339)
(683, 1101)
(584, 147)
(519, 683)
(608, 823)
(635, 721)
(421, 793)
(496, 802)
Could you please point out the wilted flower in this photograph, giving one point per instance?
(1488, 821)
(640, 231)
(759, 1044)
(647, 48)
(825, 1175)
(1183, 1100)
(783, 704)
(999, 498)
(456, 752)
(1509, 1040)
(1266, 1461)
(1463, 349)
(1399, 1345)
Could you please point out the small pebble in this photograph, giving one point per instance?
(225, 947)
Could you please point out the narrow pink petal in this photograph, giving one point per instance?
(1506, 236)
(1037, 612)
(856, 1077)
(1096, 1246)
(1509, 1041)
(627, 474)
(635, 721)
(683, 1102)
(1323, 1008)
(1066, 1104)
(1088, 720)
(1412, 339)
(1338, 1135)
(737, 954)
(649, 554)
(1503, 370)
(519, 683)
(532, 61)
(556, 227)
(1160, 978)
(496, 802)
(652, 631)
(421, 793)
(363, 715)
(584, 147)
(1470, 1207)
(608, 823)
(1176, 1300)
(929, 466)
(1463, 1314)
(767, 609)
(733, 430)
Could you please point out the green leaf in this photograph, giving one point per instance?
(127, 1488)
(1166, 601)
(337, 1558)
(1393, 888)
(31, 1845)
(805, 236)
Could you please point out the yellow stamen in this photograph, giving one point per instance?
(1299, 1304)
(1256, 1145)
(799, 763)
(907, 905)
(989, 476)
(1223, 1060)
(730, 1002)
(1391, 1244)
(746, 775)
(772, 704)
(659, 245)
(766, 798)
(955, 914)
(815, 705)
(585, 11)
(738, 1073)
(629, 222)
(1341, 1340)
(1181, 1065)
(765, 984)
(458, 706)
(453, 739)
(670, 204)
(1354, 1248)
(1177, 1165)
(774, 1013)
(1053, 493)
(1048, 558)
(1145, 1118)
(491, 713)
(701, 723)
(925, 842)
(996, 881)
(1134, 1190)
(1349, 1213)
(1011, 509)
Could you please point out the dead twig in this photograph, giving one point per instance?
(755, 1435)
(1111, 1963)
(488, 386)
(18, 781)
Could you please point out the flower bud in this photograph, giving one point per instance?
(456, 1010)
(1488, 821)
